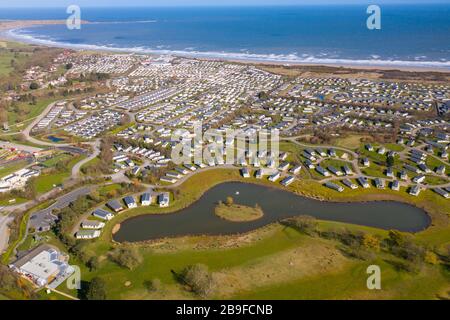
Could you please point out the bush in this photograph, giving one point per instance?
(199, 279)
(153, 285)
(34, 86)
(126, 257)
(359, 252)
(431, 258)
(96, 289)
(304, 224)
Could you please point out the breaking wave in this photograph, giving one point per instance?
(293, 58)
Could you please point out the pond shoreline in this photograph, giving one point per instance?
(301, 197)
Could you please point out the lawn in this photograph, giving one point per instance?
(47, 182)
(32, 111)
(11, 168)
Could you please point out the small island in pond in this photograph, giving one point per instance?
(236, 212)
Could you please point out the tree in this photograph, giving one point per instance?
(396, 238)
(390, 161)
(198, 278)
(96, 289)
(230, 201)
(34, 86)
(263, 95)
(93, 263)
(126, 257)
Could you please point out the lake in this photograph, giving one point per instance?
(199, 218)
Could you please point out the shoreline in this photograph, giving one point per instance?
(384, 198)
(7, 29)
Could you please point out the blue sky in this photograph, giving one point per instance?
(109, 3)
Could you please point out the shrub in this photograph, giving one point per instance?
(96, 289)
(371, 242)
(198, 278)
(431, 258)
(304, 224)
(153, 285)
(126, 257)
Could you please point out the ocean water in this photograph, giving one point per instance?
(411, 35)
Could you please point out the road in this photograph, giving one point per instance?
(76, 170)
(27, 130)
(44, 218)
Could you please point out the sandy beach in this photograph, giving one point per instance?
(7, 25)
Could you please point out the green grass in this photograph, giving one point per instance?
(351, 282)
(47, 182)
(32, 110)
(55, 159)
(11, 168)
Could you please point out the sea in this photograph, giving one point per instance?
(410, 35)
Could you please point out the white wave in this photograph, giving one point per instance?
(244, 56)
(122, 22)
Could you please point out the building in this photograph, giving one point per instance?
(130, 202)
(419, 179)
(363, 182)
(335, 171)
(414, 191)
(287, 181)
(379, 183)
(146, 199)
(347, 170)
(334, 186)
(283, 166)
(274, 177)
(322, 171)
(114, 205)
(296, 169)
(87, 234)
(44, 266)
(259, 174)
(395, 185)
(442, 192)
(348, 183)
(92, 225)
(245, 173)
(366, 162)
(103, 214)
(164, 199)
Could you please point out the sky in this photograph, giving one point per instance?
(109, 3)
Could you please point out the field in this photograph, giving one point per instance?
(11, 168)
(274, 262)
(47, 182)
(238, 213)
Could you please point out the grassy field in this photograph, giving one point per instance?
(10, 168)
(32, 111)
(273, 262)
(47, 182)
(238, 213)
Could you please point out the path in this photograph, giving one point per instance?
(4, 232)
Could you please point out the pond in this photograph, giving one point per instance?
(199, 218)
(55, 139)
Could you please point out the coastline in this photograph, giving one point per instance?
(7, 29)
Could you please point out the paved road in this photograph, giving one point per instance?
(27, 130)
(76, 170)
(45, 217)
